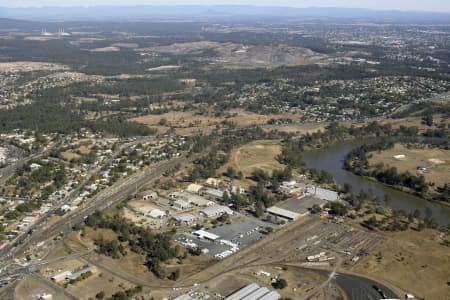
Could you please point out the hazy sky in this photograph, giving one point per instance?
(429, 5)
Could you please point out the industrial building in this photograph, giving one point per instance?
(215, 211)
(194, 188)
(184, 218)
(61, 276)
(254, 292)
(150, 195)
(283, 213)
(213, 193)
(197, 200)
(84, 270)
(183, 297)
(181, 205)
(206, 235)
(156, 213)
(322, 193)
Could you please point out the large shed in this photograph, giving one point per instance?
(283, 213)
(206, 235)
(216, 211)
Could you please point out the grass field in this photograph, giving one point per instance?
(189, 122)
(255, 155)
(413, 261)
(416, 156)
(416, 121)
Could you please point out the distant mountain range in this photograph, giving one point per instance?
(128, 13)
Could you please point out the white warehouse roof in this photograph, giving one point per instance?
(184, 218)
(206, 235)
(283, 212)
(157, 213)
(183, 297)
(194, 188)
(322, 193)
(254, 292)
(216, 210)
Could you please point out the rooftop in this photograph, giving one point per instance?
(282, 212)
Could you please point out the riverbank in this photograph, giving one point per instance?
(331, 159)
(415, 168)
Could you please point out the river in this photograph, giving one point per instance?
(331, 159)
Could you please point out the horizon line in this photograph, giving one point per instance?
(224, 5)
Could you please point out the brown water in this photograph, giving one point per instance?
(331, 159)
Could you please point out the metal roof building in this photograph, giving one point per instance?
(61, 276)
(214, 193)
(254, 292)
(206, 235)
(82, 271)
(181, 204)
(284, 213)
(157, 213)
(322, 193)
(270, 296)
(216, 211)
(198, 200)
(183, 297)
(194, 188)
(184, 218)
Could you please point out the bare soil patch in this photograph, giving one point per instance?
(413, 261)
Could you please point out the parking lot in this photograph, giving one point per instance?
(242, 231)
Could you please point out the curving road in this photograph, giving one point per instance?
(360, 288)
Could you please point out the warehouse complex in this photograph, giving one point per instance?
(254, 292)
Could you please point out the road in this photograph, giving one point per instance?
(360, 288)
(11, 271)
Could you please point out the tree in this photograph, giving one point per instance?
(175, 275)
(226, 197)
(347, 188)
(231, 172)
(315, 209)
(100, 295)
(428, 119)
(338, 208)
(259, 209)
(269, 229)
(280, 284)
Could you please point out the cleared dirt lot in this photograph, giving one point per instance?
(243, 56)
(255, 155)
(413, 261)
(417, 156)
(29, 287)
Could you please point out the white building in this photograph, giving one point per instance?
(150, 196)
(215, 211)
(283, 213)
(194, 188)
(157, 213)
(322, 193)
(206, 235)
(184, 218)
(181, 205)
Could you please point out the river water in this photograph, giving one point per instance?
(331, 159)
